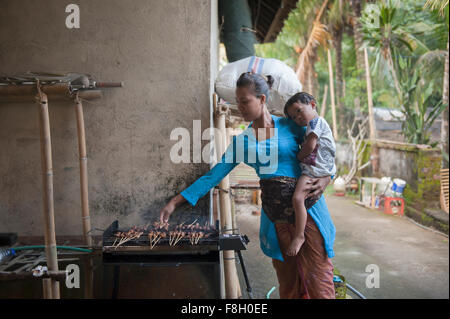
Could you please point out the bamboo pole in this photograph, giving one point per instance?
(30, 90)
(47, 194)
(86, 221)
(444, 121)
(369, 97)
(56, 92)
(324, 101)
(89, 278)
(231, 289)
(374, 156)
(333, 105)
(47, 288)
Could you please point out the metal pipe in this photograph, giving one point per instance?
(244, 271)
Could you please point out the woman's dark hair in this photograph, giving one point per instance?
(301, 97)
(258, 83)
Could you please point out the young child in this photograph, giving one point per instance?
(316, 157)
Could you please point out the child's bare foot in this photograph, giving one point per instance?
(295, 246)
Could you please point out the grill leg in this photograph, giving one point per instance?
(116, 281)
(249, 289)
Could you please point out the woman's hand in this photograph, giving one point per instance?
(167, 210)
(317, 186)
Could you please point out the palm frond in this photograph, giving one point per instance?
(319, 35)
(431, 57)
(437, 5)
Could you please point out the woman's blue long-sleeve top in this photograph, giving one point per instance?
(272, 157)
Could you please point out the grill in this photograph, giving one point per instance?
(142, 252)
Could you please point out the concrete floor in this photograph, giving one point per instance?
(412, 262)
(261, 274)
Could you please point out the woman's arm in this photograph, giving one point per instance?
(203, 184)
(165, 213)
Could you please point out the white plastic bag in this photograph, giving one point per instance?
(285, 83)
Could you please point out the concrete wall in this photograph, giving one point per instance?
(162, 51)
(420, 168)
(343, 157)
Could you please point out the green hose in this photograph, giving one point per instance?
(58, 247)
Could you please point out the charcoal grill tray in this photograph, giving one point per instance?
(143, 246)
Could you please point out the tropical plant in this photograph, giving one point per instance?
(356, 8)
(394, 32)
(442, 7)
(420, 105)
(385, 31)
(338, 20)
(308, 54)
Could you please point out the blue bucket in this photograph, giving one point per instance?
(398, 185)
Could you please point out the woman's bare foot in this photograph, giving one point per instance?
(295, 246)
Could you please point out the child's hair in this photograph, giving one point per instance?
(300, 97)
(259, 84)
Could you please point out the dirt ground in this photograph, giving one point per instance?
(413, 262)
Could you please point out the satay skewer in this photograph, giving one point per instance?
(193, 222)
(151, 236)
(201, 236)
(193, 235)
(122, 240)
(170, 238)
(196, 238)
(155, 241)
(181, 235)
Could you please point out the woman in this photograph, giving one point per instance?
(309, 274)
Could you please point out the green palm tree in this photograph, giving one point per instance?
(400, 55)
(356, 9)
(338, 20)
(318, 35)
(442, 7)
(384, 31)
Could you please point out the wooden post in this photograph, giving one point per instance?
(372, 135)
(258, 197)
(231, 290)
(47, 288)
(89, 278)
(83, 173)
(369, 97)
(324, 101)
(47, 194)
(333, 105)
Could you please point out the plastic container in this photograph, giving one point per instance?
(339, 185)
(394, 206)
(398, 185)
(383, 186)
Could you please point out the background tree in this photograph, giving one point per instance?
(442, 7)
